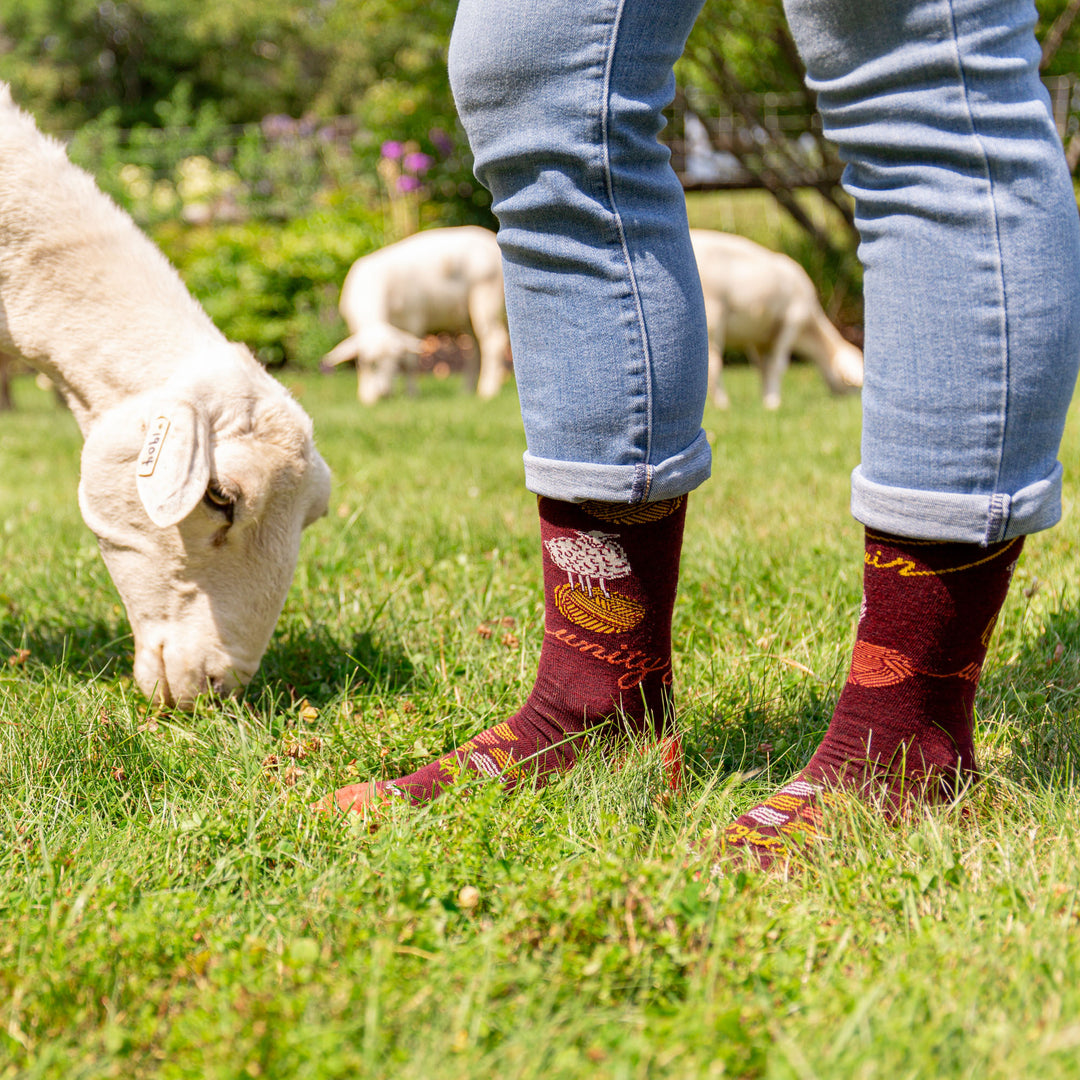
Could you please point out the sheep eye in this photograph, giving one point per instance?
(218, 500)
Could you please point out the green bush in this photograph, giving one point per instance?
(275, 286)
(264, 220)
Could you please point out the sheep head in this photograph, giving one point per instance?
(380, 351)
(844, 372)
(197, 492)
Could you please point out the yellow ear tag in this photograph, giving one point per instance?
(148, 456)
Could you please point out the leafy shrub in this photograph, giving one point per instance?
(275, 286)
(263, 220)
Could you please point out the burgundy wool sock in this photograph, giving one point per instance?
(610, 577)
(902, 731)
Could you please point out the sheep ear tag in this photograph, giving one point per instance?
(173, 466)
(148, 456)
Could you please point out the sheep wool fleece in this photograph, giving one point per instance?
(610, 577)
(903, 729)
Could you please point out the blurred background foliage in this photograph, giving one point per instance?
(266, 144)
(248, 137)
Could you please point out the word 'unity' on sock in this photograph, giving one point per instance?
(903, 728)
(610, 577)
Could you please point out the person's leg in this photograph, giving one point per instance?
(562, 101)
(971, 248)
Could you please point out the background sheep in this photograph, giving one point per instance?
(199, 471)
(765, 303)
(441, 280)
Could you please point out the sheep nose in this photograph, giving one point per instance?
(174, 677)
(224, 685)
(185, 694)
(230, 680)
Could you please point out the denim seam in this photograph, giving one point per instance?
(631, 276)
(643, 475)
(997, 518)
(1000, 260)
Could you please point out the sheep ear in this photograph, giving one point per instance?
(410, 341)
(342, 351)
(173, 466)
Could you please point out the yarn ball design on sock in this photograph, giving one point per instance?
(594, 558)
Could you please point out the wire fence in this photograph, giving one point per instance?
(276, 168)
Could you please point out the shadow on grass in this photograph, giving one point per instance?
(312, 664)
(750, 733)
(306, 663)
(92, 649)
(1035, 703)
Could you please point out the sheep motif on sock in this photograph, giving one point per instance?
(588, 556)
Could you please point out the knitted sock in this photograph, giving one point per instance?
(610, 577)
(903, 727)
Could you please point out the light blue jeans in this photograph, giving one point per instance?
(562, 100)
(969, 231)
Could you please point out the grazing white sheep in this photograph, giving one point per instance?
(441, 280)
(765, 303)
(199, 470)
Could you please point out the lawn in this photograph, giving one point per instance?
(171, 908)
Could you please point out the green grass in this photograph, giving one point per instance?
(169, 906)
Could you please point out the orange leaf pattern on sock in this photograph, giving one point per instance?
(607, 614)
(633, 513)
(792, 814)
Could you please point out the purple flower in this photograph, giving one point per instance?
(392, 149)
(441, 141)
(417, 163)
(277, 126)
(407, 183)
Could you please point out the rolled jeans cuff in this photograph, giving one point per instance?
(971, 519)
(575, 481)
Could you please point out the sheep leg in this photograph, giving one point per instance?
(410, 371)
(774, 364)
(486, 311)
(494, 347)
(470, 367)
(716, 390)
(6, 403)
